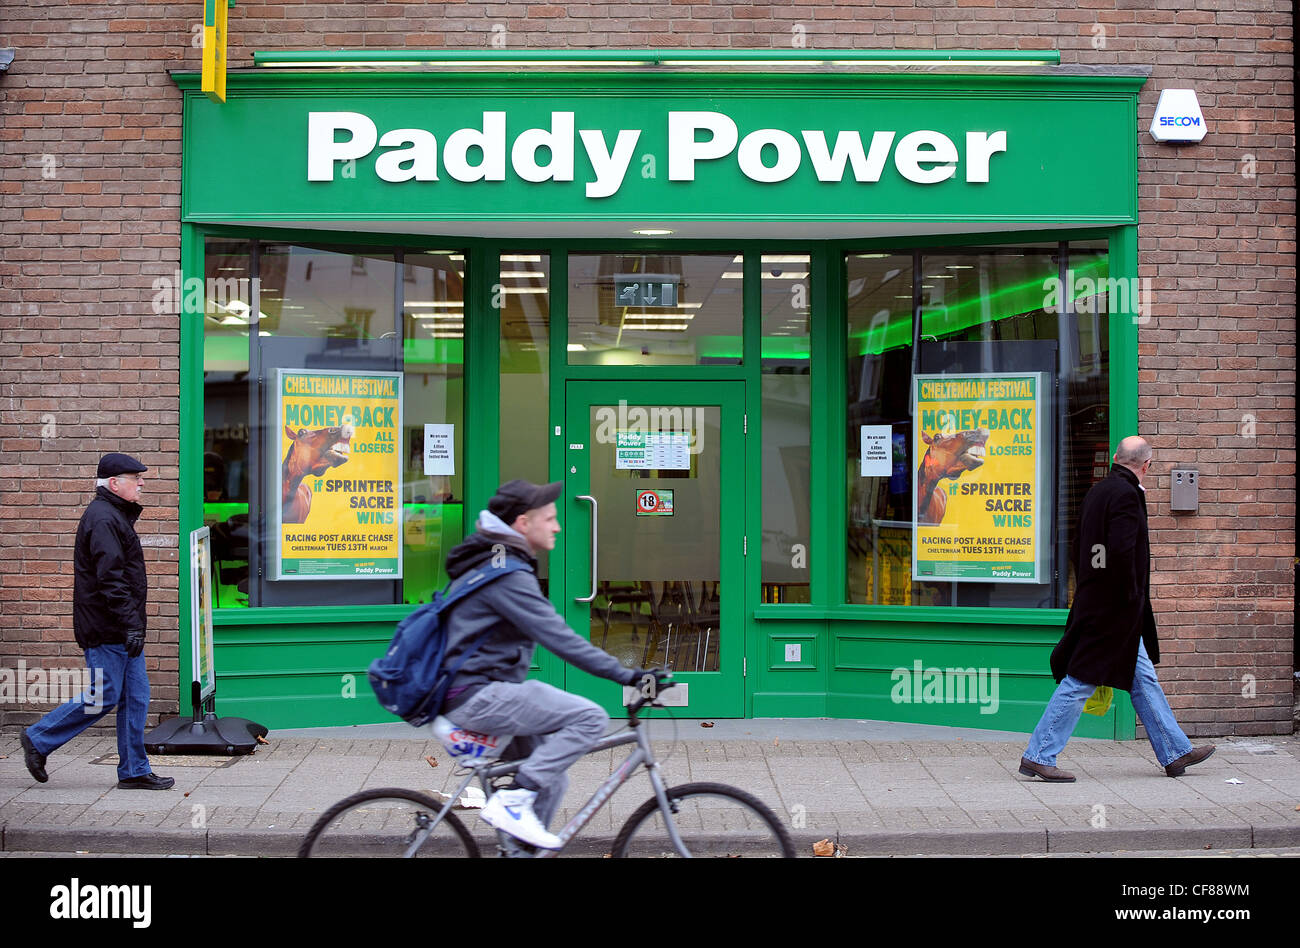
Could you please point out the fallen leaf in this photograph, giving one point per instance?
(262, 740)
(841, 850)
(432, 762)
(1298, 808)
(187, 793)
(776, 742)
(823, 847)
(706, 724)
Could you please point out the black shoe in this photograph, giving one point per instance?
(1051, 774)
(150, 781)
(1193, 756)
(33, 758)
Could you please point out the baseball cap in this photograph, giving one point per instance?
(518, 496)
(110, 465)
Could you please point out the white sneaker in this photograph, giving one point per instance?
(511, 811)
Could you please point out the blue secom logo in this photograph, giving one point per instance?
(1180, 120)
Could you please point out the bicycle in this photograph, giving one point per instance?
(693, 819)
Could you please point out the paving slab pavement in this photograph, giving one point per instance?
(877, 788)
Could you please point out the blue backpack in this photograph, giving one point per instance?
(409, 679)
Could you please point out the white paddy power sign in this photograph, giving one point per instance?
(482, 152)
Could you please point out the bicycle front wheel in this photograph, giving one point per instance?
(389, 822)
(712, 819)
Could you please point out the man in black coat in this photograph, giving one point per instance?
(1110, 635)
(109, 593)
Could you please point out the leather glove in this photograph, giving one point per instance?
(640, 679)
(134, 642)
(635, 676)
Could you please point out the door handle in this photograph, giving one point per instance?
(594, 510)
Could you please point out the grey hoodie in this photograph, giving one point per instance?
(522, 618)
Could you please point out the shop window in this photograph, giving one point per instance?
(966, 492)
(787, 413)
(333, 406)
(227, 305)
(655, 309)
(524, 281)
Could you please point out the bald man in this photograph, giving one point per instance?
(1110, 636)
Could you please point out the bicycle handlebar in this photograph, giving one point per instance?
(662, 684)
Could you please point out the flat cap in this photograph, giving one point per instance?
(110, 465)
(516, 497)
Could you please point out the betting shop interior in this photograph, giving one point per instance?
(824, 358)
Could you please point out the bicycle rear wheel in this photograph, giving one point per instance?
(387, 822)
(712, 819)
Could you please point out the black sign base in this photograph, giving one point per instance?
(211, 735)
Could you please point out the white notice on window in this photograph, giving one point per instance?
(876, 451)
(653, 450)
(439, 449)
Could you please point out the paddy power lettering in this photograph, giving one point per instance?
(479, 153)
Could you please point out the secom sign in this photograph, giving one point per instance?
(1178, 117)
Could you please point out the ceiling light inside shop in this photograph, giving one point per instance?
(651, 232)
(519, 258)
(524, 289)
(577, 347)
(521, 274)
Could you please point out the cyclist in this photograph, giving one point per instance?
(490, 693)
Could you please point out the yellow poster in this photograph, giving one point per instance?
(338, 475)
(980, 503)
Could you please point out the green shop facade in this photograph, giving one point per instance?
(703, 300)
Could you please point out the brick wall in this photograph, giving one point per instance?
(89, 196)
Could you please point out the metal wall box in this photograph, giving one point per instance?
(1182, 490)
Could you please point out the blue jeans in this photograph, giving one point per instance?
(1062, 714)
(116, 681)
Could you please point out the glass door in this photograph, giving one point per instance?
(653, 526)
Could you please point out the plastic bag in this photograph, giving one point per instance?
(1099, 703)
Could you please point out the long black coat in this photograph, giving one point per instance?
(1112, 599)
(109, 586)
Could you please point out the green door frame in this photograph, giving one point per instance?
(712, 694)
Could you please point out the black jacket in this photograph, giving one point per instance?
(1112, 599)
(109, 588)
